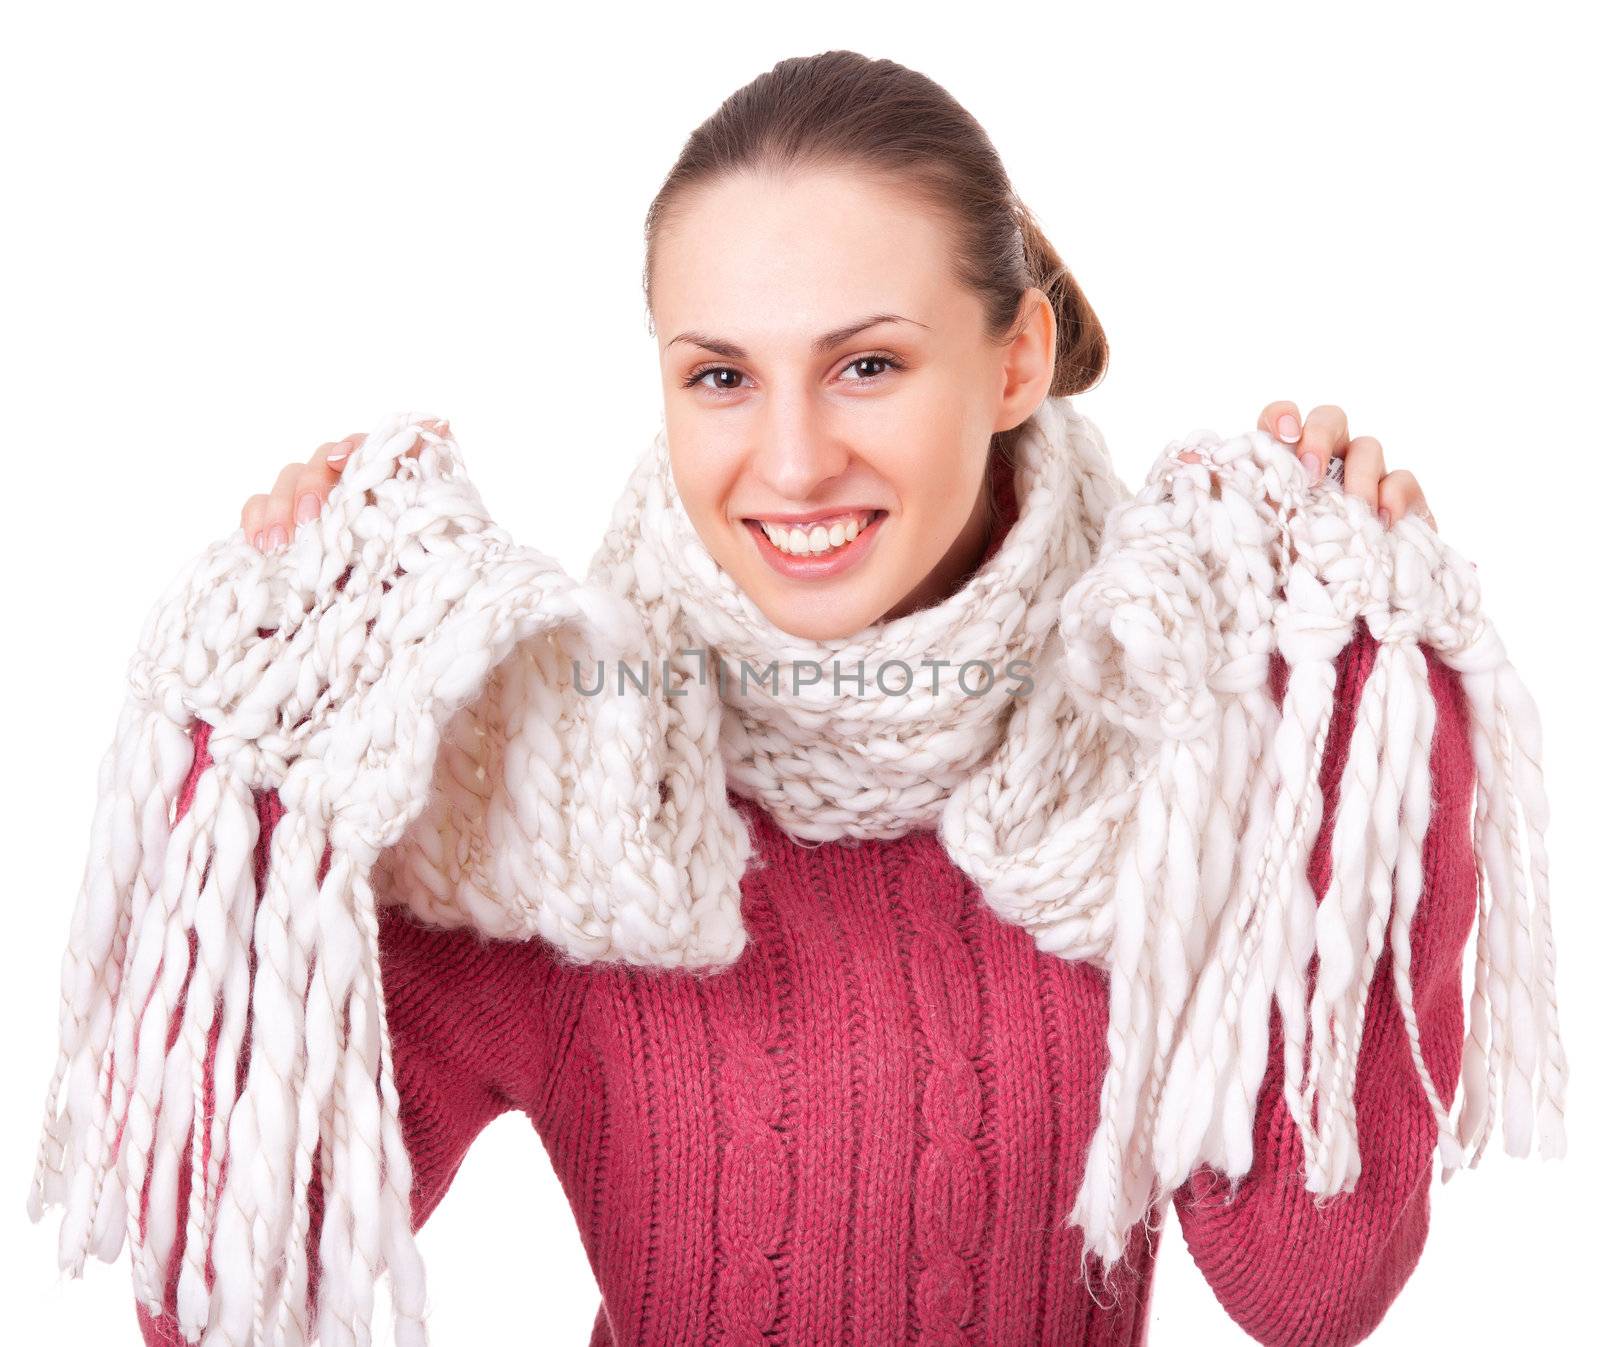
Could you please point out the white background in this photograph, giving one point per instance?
(234, 235)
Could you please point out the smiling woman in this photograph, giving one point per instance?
(1043, 856)
(889, 414)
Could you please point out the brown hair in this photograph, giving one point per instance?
(840, 108)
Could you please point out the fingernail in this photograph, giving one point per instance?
(306, 508)
(1312, 464)
(1288, 428)
(260, 541)
(1383, 518)
(276, 538)
(339, 457)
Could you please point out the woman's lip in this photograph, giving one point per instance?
(815, 517)
(817, 568)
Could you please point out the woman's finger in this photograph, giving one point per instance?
(277, 521)
(252, 518)
(335, 456)
(1363, 469)
(1325, 433)
(1400, 494)
(1282, 419)
(318, 478)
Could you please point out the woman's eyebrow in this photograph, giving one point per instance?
(820, 346)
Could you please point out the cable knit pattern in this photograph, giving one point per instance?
(847, 1141)
(753, 1190)
(951, 1186)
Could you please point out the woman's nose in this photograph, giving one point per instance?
(797, 467)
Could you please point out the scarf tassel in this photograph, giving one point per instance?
(1513, 1055)
(1188, 1043)
(158, 1002)
(1168, 886)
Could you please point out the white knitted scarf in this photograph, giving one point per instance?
(1087, 723)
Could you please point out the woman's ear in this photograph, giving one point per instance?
(1028, 363)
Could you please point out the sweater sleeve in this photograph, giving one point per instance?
(1285, 1271)
(446, 1096)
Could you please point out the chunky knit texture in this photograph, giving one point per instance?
(867, 1131)
(407, 682)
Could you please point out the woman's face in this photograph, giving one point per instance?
(827, 381)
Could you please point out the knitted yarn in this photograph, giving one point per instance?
(454, 724)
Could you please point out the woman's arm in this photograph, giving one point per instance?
(1285, 1271)
(446, 1096)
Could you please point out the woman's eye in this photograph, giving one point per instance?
(699, 377)
(889, 362)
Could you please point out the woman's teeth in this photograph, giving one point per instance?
(819, 538)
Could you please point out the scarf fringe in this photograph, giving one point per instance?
(1514, 1050)
(176, 962)
(158, 998)
(1213, 902)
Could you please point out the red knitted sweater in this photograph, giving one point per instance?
(871, 1128)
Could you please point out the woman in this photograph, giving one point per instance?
(872, 1125)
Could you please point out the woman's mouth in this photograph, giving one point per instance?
(819, 550)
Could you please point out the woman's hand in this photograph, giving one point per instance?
(1326, 435)
(269, 520)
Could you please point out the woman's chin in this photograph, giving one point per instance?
(837, 614)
